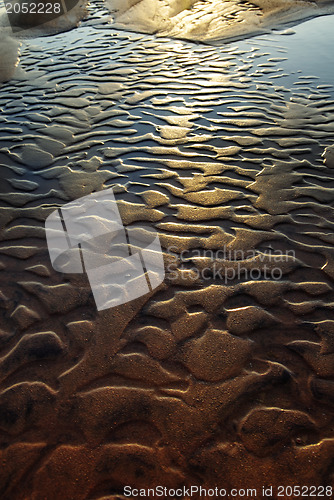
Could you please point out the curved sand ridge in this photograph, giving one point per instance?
(203, 382)
(201, 20)
(212, 20)
(32, 25)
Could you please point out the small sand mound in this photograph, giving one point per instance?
(210, 20)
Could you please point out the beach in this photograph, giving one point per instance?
(222, 376)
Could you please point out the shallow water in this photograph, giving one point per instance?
(205, 381)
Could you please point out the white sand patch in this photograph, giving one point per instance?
(210, 20)
(328, 156)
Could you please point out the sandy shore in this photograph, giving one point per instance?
(220, 377)
(212, 21)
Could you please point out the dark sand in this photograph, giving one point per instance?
(201, 382)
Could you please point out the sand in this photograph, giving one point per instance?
(223, 375)
(212, 20)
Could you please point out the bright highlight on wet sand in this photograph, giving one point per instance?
(212, 20)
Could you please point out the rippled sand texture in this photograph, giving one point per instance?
(199, 382)
(17, 27)
(212, 20)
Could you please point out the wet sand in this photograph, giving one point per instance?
(204, 381)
